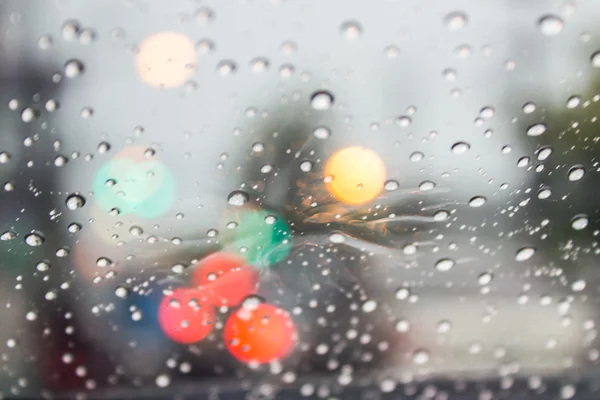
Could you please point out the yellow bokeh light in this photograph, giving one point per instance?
(166, 59)
(356, 175)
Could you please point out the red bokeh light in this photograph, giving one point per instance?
(261, 334)
(187, 316)
(227, 277)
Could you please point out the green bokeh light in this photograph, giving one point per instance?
(262, 238)
(146, 189)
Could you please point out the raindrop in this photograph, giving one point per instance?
(420, 357)
(426, 186)
(402, 293)
(544, 153)
(238, 198)
(485, 278)
(259, 64)
(321, 100)
(536, 130)
(163, 381)
(204, 15)
(35, 239)
(544, 193)
(270, 219)
(103, 147)
(4, 157)
(74, 227)
(87, 36)
(595, 59)
(444, 264)
(477, 201)
(576, 172)
(402, 326)
(463, 51)
(43, 266)
(103, 262)
(460, 147)
(550, 25)
(29, 114)
(70, 29)
(75, 201)
(136, 230)
(444, 326)
(441, 215)
(351, 30)
(369, 306)
(321, 132)
(286, 70)
(336, 237)
(573, 101)
(449, 74)
(305, 166)
(60, 161)
(487, 112)
(528, 108)
(265, 169)
(403, 121)
(45, 42)
(226, 67)
(73, 68)
(391, 51)
(205, 46)
(391, 185)
(456, 20)
(416, 156)
(258, 147)
(524, 253)
(211, 233)
(8, 235)
(523, 162)
(580, 222)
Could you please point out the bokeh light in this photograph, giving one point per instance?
(227, 277)
(187, 315)
(261, 333)
(166, 59)
(145, 188)
(355, 175)
(262, 238)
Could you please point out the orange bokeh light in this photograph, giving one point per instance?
(166, 59)
(356, 175)
(261, 334)
(187, 315)
(227, 277)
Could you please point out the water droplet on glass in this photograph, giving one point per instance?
(536, 130)
(204, 15)
(103, 262)
(305, 166)
(576, 172)
(205, 46)
(321, 100)
(391, 51)
(103, 147)
(8, 235)
(238, 198)
(163, 381)
(580, 222)
(456, 20)
(544, 193)
(463, 51)
(444, 326)
(259, 64)
(402, 293)
(528, 108)
(74, 227)
(402, 325)
(45, 42)
(544, 153)
(409, 249)
(449, 74)
(35, 239)
(477, 201)
(351, 30)
(136, 230)
(525, 253)
(595, 59)
(426, 185)
(421, 357)
(573, 101)
(75, 201)
(29, 114)
(87, 36)
(321, 132)
(460, 147)
(43, 266)
(416, 156)
(4, 157)
(523, 162)
(369, 306)
(391, 185)
(487, 112)
(70, 29)
(485, 278)
(550, 25)
(73, 68)
(226, 67)
(336, 238)
(403, 121)
(441, 215)
(444, 264)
